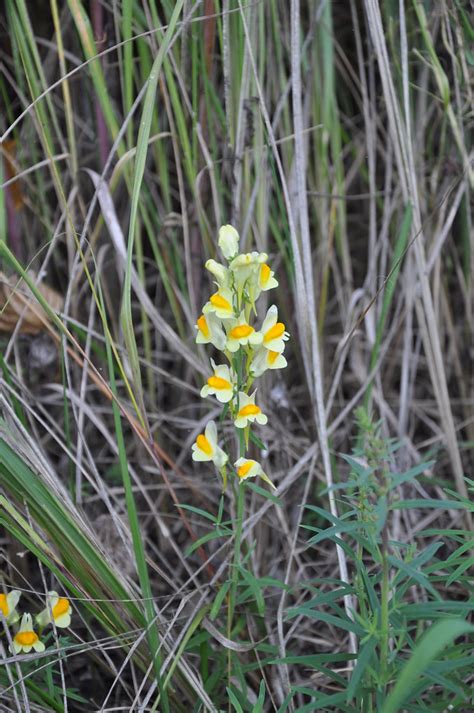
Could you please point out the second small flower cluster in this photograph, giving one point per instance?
(58, 609)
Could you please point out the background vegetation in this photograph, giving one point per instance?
(335, 137)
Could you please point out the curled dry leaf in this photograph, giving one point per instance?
(18, 304)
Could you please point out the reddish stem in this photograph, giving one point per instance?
(97, 13)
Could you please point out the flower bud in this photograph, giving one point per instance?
(228, 241)
(218, 270)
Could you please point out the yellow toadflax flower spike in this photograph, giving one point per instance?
(226, 322)
(26, 639)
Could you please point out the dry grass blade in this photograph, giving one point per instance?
(311, 330)
(424, 306)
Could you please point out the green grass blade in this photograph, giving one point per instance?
(138, 546)
(140, 159)
(432, 643)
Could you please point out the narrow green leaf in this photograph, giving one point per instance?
(206, 538)
(216, 607)
(234, 700)
(410, 474)
(198, 511)
(414, 574)
(265, 493)
(345, 624)
(363, 660)
(427, 503)
(258, 707)
(332, 532)
(137, 539)
(149, 107)
(254, 587)
(431, 644)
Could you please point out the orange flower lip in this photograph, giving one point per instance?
(203, 326)
(61, 607)
(4, 605)
(204, 444)
(241, 331)
(272, 356)
(220, 302)
(275, 332)
(26, 638)
(244, 469)
(250, 410)
(264, 274)
(216, 382)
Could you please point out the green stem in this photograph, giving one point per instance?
(153, 636)
(384, 620)
(237, 555)
(359, 584)
(238, 537)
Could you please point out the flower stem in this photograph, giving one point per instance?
(234, 574)
(238, 536)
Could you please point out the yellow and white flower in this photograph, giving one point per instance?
(261, 281)
(248, 261)
(26, 638)
(220, 304)
(228, 241)
(273, 331)
(220, 384)
(8, 604)
(266, 278)
(245, 267)
(248, 411)
(248, 468)
(206, 449)
(266, 359)
(58, 610)
(210, 331)
(220, 272)
(240, 333)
